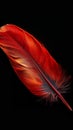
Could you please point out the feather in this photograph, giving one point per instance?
(33, 64)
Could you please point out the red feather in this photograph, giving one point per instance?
(33, 64)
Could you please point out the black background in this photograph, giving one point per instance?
(55, 31)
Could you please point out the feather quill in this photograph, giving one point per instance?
(33, 64)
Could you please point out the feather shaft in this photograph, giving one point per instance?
(56, 91)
